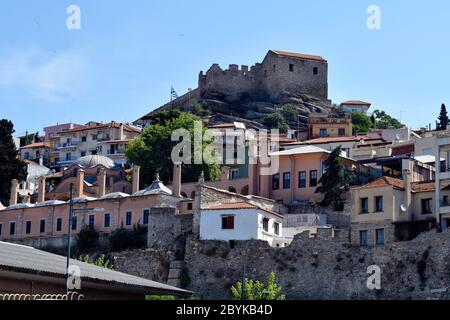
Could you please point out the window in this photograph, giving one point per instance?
(316, 70)
(302, 179)
(94, 137)
(234, 174)
(59, 225)
(276, 228)
(28, 227)
(291, 67)
(1, 229)
(323, 132)
(107, 220)
(341, 132)
(445, 200)
(228, 223)
(286, 180)
(274, 68)
(363, 238)
(266, 225)
(128, 218)
(83, 139)
(378, 204)
(83, 153)
(276, 181)
(364, 205)
(426, 206)
(313, 178)
(42, 226)
(189, 206)
(91, 221)
(146, 215)
(380, 236)
(74, 223)
(12, 228)
(68, 156)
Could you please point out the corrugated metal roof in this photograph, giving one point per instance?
(30, 260)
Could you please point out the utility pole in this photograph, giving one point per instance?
(69, 237)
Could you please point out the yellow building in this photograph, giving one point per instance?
(390, 209)
(329, 127)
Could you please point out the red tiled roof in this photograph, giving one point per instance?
(116, 125)
(298, 55)
(357, 103)
(234, 205)
(384, 181)
(37, 145)
(417, 187)
(334, 139)
(240, 205)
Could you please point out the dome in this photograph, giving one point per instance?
(95, 160)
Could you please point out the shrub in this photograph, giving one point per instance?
(153, 297)
(87, 239)
(101, 261)
(258, 290)
(123, 239)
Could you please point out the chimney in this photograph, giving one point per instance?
(176, 184)
(136, 172)
(26, 198)
(121, 137)
(14, 191)
(80, 184)
(41, 189)
(101, 182)
(225, 174)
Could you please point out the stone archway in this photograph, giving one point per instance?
(244, 191)
(183, 194)
(232, 189)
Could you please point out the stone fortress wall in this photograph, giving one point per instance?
(277, 74)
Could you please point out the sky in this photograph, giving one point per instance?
(126, 55)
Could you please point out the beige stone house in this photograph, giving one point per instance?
(390, 209)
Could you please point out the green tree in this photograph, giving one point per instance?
(385, 121)
(334, 181)
(258, 290)
(123, 239)
(10, 166)
(290, 113)
(443, 120)
(276, 120)
(87, 239)
(101, 261)
(361, 122)
(152, 151)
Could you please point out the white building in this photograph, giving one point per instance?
(108, 140)
(352, 106)
(241, 221)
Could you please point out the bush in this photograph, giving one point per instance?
(101, 261)
(123, 239)
(87, 239)
(153, 297)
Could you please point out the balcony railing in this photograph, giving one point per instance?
(67, 145)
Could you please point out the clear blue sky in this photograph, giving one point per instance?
(122, 62)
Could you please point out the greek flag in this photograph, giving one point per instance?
(173, 94)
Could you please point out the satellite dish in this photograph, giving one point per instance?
(403, 208)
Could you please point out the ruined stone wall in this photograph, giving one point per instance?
(326, 267)
(166, 225)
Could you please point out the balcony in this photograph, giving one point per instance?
(67, 146)
(120, 152)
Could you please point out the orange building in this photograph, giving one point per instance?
(329, 127)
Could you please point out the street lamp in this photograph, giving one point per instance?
(69, 233)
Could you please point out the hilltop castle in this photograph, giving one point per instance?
(280, 73)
